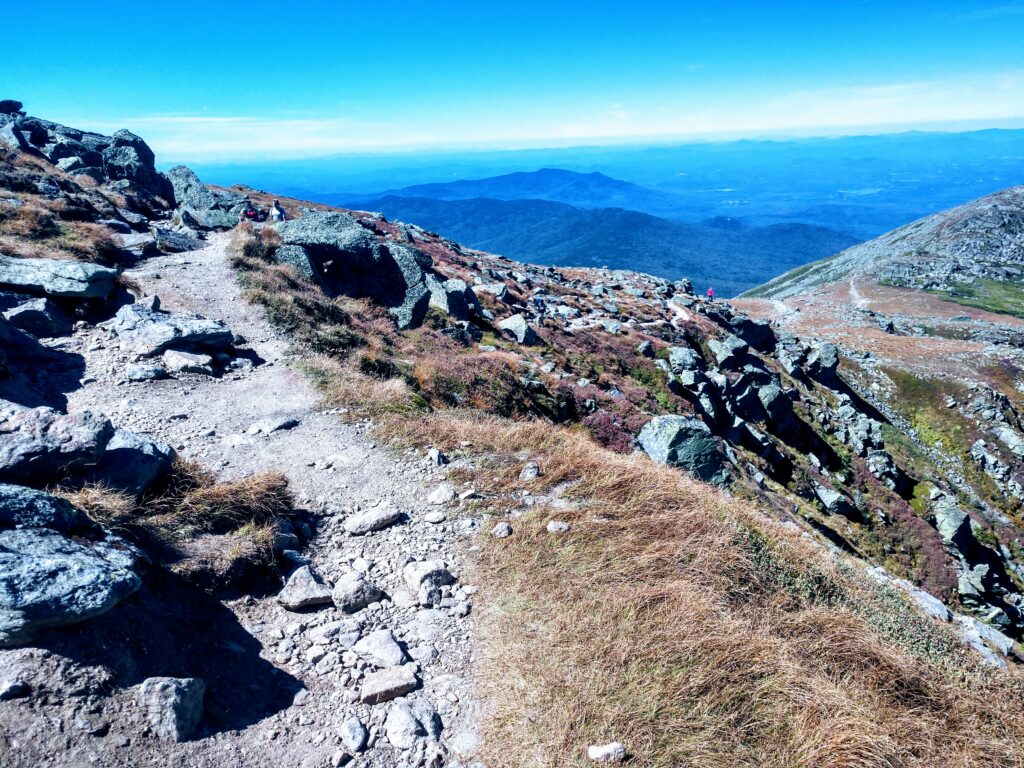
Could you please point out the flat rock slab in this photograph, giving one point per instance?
(58, 277)
(372, 520)
(388, 684)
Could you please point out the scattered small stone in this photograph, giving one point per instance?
(607, 753)
(558, 526)
(437, 457)
(401, 726)
(173, 706)
(501, 531)
(442, 494)
(13, 689)
(435, 517)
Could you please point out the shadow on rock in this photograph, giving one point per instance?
(41, 376)
(171, 628)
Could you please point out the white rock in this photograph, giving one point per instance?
(557, 526)
(607, 753)
(401, 726)
(380, 649)
(442, 494)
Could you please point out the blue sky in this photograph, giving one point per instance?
(205, 80)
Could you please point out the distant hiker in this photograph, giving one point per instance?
(539, 305)
(249, 213)
(711, 294)
(277, 213)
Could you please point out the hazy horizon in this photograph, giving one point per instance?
(455, 76)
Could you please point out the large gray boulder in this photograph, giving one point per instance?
(453, 297)
(49, 580)
(38, 445)
(57, 277)
(346, 258)
(132, 463)
(173, 705)
(686, 442)
(200, 206)
(146, 330)
(22, 507)
(40, 317)
(129, 158)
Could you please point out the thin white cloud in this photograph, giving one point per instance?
(979, 99)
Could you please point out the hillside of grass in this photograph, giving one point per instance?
(687, 623)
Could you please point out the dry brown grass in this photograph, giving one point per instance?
(699, 633)
(190, 504)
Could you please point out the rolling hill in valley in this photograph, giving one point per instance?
(725, 255)
(581, 190)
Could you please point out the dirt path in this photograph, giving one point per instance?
(336, 469)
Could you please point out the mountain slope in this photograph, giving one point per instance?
(963, 250)
(545, 232)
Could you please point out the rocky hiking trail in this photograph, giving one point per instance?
(374, 645)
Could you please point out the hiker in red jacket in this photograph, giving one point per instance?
(711, 294)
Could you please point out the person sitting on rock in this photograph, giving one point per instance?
(277, 213)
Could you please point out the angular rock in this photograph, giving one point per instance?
(48, 580)
(304, 589)
(40, 317)
(952, 523)
(132, 463)
(388, 684)
(402, 727)
(353, 734)
(146, 330)
(39, 444)
(442, 494)
(425, 579)
(22, 507)
(173, 706)
(145, 372)
(57, 277)
(375, 519)
(178, 361)
(682, 441)
(380, 649)
(684, 359)
(728, 352)
(200, 206)
(352, 592)
(607, 753)
(347, 258)
(129, 159)
(833, 500)
(517, 327)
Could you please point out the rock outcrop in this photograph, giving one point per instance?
(345, 258)
(56, 566)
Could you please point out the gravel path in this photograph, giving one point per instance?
(337, 471)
